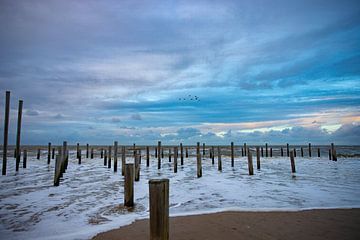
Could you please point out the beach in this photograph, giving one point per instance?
(297, 225)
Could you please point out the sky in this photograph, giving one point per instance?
(262, 71)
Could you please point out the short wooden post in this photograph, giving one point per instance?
(266, 150)
(129, 185)
(162, 152)
(92, 153)
(186, 153)
(245, 149)
(38, 154)
(203, 149)
(53, 154)
(318, 150)
(232, 154)
(198, 161)
(65, 155)
(137, 167)
(77, 149)
(309, 149)
(18, 135)
(242, 151)
(262, 152)
(282, 151)
(271, 153)
(101, 153)
(212, 155)
(79, 158)
(155, 152)
(175, 159)
(159, 209)
(169, 154)
(258, 158)
(123, 160)
(302, 151)
(6, 131)
(333, 152)
(147, 156)
(181, 154)
(219, 159)
(292, 162)
(87, 150)
(49, 153)
(115, 155)
(57, 173)
(109, 157)
(287, 150)
(105, 158)
(250, 162)
(329, 154)
(24, 158)
(159, 159)
(294, 152)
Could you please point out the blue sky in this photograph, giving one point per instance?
(99, 71)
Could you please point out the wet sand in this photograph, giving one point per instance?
(307, 225)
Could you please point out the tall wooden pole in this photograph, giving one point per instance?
(181, 154)
(250, 162)
(258, 158)
(129, 185)
(292, 162)
(49, 153)
(159, 157)
(198, 161)
(123, 160)
(18, 134)
(219, 159)
(115, 155)
(232, 154)
(147, 156)
(6, 131)
(309, 149)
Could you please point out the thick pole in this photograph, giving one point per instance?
(77, 149)
(87, 150)
(109, 157)
(232, 154)
(198, 161)
(159, 158)
(186, 153)
(212, 155)
(181, 154)
(318, 152)
(258, 158)
(105, 157)
(24, 158)
(115, 155)
(129, 185)
(38, 153)
(292, 162)
(169, 154)
(302, 151)
(219, 159)
(250, 162)
(92, 153)
(6, 131)
(266, 150)
(333, 152)
(147, 156)
(18, 135)
(123, 160)
(159, 209)
(175, 159)
(49, 153)
(309, 149)
(282, 151)
(271, 153)
(79, 158)
(294, 152)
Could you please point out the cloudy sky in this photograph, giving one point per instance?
(261, 71)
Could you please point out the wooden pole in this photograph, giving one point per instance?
(79, 158)
(115, 155)
(65, 155)
(57, 170)
(242, 151)
(219, 159)
(87, 150)
(18, 135)
(6, 131)
(258, 158)
(203, 149)
(123, 160)
(245, 148)
(159, 159)
(198, 161)
(49, 153)
(175, 159)
(329, 154)
(318, 150)
(232, 154)
(53, 154)
(302, 151)
(294, 152)
(105, 158)
(147, 156)
(212, 155)
(292, 162)
(186, 153)
(38, 154)
(250, 162)
(159, 209)
(137, 167)
(24, 158)
(287, 150)
(262, 152)
(109, 157)
(77, 149)
(309, 149)
(266, 150)
(271, 153)
(333, 152)
(181, 154)
(282, 151)
(129, 185)
(92, 153)
(155, 152)
(169, 154)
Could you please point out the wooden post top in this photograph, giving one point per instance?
(158, 181)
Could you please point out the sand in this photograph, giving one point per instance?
(307, 225)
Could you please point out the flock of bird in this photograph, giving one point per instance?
(191, 98)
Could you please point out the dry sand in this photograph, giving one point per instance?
(307, 225)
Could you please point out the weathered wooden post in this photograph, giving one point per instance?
(258, 158)
(282, 151)
(57, 174)
(169, 154)
(18, 135)
(159, 209)
(155, 152)
(49, 153)
(105, 158)
(212, 155)
(53, 153)
(175, 159)
(309, 149)
(147, 156)
(38, 154)
(186, 153)
(6, 131)
(159, 159)
(271, 152)
(292, 162)
(242, 151)
(77, 149)
(162, 152)
(203, 149)
(181, 154)
(266, 150)
(24, 158)
(262, 152)
(250, 162)
(101, 153)
(329, 154)
(302, 151)
(287, 150)
(92, 153)
(137, 167)
(198, 161)
(318, 150)
(245, 149)
(123, 160)
(87, 150)
(294, 152)
(115, 155)
(333, 152)
(219, 159)
(65, 155)
(109, 157)
(79, 158)
(232, 154)
(129, 185)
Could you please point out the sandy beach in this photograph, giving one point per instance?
(309, 224)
